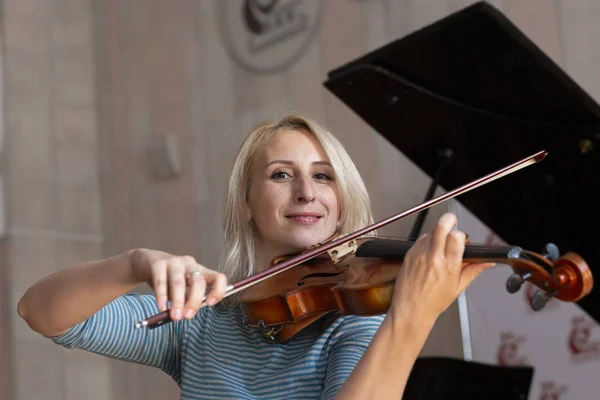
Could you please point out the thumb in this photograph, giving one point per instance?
(470, 272)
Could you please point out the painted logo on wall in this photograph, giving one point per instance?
(508, 349)
(268, 35)
(583, 346)
(551, 391)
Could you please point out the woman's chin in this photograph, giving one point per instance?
(304, 241)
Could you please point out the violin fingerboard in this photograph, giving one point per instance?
(397, 249)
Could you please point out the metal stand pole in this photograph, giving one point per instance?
(463, 308)
(445, 156)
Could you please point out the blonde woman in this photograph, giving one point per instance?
(293, 185)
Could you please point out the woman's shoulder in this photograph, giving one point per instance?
(219, 317)
(359, 322)
(356, 326)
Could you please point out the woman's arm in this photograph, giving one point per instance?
(68, 297)
(432, 276)
(84, 306)
(385, 366)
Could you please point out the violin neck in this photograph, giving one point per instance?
(397, 249)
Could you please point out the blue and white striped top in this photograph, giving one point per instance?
(214, 356)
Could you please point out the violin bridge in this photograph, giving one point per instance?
(339, 252)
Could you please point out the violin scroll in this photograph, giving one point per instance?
(567, 277)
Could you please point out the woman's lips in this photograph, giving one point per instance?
(304, 218)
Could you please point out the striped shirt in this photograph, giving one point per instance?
(214, 356)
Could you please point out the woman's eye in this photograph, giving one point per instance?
(280, 175)
(322, 176)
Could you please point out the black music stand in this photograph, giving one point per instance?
(440, 378)
(474, 84)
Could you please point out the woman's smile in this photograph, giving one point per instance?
(304, 218)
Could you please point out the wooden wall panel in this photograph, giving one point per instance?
(165, 69)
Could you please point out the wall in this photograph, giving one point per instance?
(52, 181)
(90, 86)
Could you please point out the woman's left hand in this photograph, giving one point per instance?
(433, 273)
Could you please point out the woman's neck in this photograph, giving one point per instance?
(262, 260)
(264, 255)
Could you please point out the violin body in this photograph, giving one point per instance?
(272, 306)
(287, 303)
(361, 282)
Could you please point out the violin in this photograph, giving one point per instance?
(355, 274)
(361, 282)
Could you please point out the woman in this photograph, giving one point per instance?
(292, 186)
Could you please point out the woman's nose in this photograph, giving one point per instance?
(304, 192)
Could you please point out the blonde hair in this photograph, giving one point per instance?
(237, 259)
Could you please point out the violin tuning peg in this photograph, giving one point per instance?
(539, 300)
(551, 252)
(515, 281)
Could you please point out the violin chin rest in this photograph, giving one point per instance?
(288, 331)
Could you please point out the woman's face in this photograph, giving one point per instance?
(293, 198)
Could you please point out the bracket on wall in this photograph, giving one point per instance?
(165, 158)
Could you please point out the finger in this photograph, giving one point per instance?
(470, 272)
(159, 281)
(177, 288)
(421, 242)
(440, 232)
(195, 294)
(455, 247)
(218, 283)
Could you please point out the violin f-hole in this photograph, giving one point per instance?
(302, 280)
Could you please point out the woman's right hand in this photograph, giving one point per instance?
(178, 279)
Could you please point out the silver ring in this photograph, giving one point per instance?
(195, 273)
